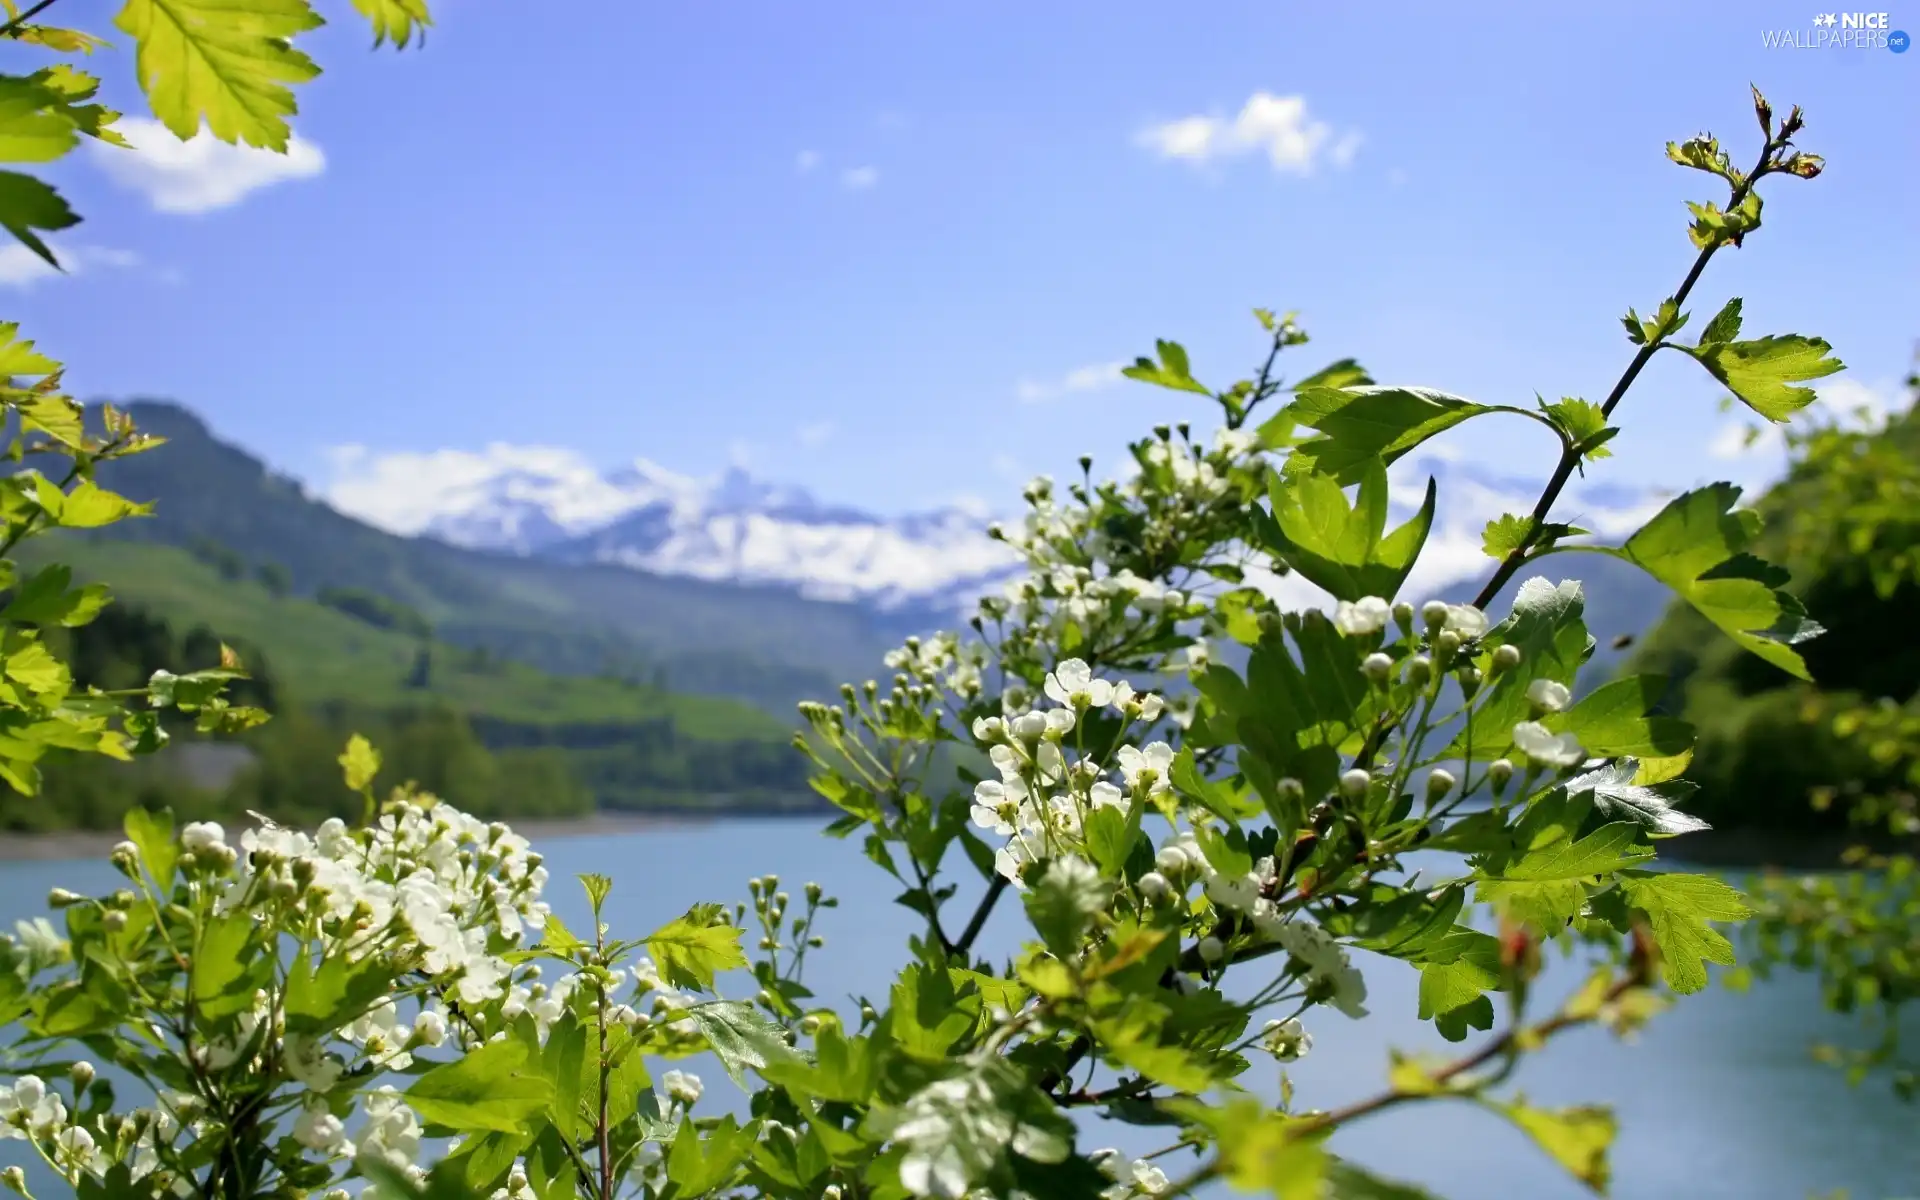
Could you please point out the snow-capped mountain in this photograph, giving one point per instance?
(550, 503)
(734, 528)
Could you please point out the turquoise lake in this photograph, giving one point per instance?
(1718, 1098)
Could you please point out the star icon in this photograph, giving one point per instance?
(1824, 20)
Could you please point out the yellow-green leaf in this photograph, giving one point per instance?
(225, 62)
(360, 762)
(1577, 1138)
(89, 506)
(1681, 909)
(17, 355)
(394, 20)
(692, 952)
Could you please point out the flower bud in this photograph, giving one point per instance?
(1171, 860)
(1506, 658)
(1354, 783)
(1434, 613)
(113, 921)
(814, 893)
(1403, 615)
(1498, 772)
(1291, 790)
(62, 898)
(82, 1074)
(15, 1179)
(1447, 644)
(1377, 667)
(1155, 886)
(1468, 677)
(1211, 949)
(809, 1024)
(1419, 670)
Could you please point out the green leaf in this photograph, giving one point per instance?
(88, 506)
(1761, 372)
(152, 832)
(562, 1061)
(1617, 796)
(1577, 1138)
(1063, 904)
(1546, 626)
(1725, 325)
(742, 1037)
(1697, 545)
(1345, 550)
(1347, 373)
(28, 208)
(484, 1090)
(1545, 884)
(323, 998)
(927, 1017)
(693, 948)
(18, 357)
(1360, 424)
(1505, 534)
(1680, 909)
(394, 20)
(1345, 1181)
(227, 62)
(1617, 718)
(1171, 372)
(221, 984)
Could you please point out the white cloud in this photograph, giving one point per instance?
(1849, 403)
(403, 492)
(22, 268)
(816, 434)
(1080, 379)
(807, 160)
(1278, 126)
(202, 173)
(859, 179)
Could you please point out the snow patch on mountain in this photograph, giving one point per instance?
(553, 503)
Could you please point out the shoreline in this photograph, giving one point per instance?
(71, 845)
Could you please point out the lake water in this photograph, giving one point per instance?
(1718, 1099)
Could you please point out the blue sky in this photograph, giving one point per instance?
(866, 247)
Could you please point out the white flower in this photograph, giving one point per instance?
(1357, 618)
(310, 1065)
(1151, 706)
(42, 942)
(1548, 696)
(1541, 745)
(1148, 766)
(1349, 991)
(1235, 895)
(1286, 1040)
(1106, 795)
(1072, 684)
(430, 1028)
(201, 836)
(683, 1086)
(1466, 620)
(318, 1129)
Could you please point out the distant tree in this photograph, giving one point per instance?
(275, 578)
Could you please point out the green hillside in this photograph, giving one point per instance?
(338, 659)
(1765, 743)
